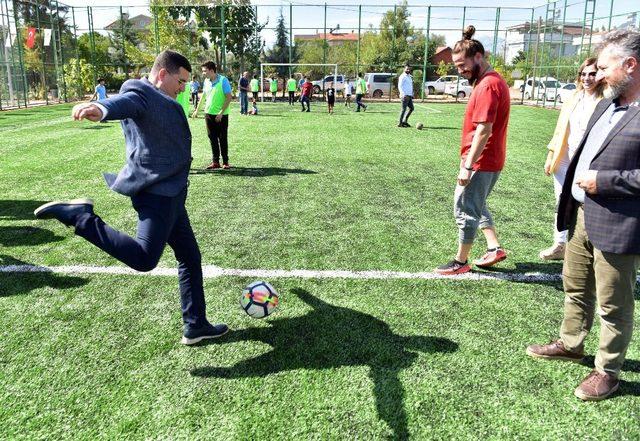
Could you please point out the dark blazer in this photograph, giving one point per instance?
(157, 137)
(612, 216)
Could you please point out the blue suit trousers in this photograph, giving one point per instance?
(162, 220)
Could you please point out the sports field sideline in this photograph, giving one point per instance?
(85, 354)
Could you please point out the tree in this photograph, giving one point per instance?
(123, 37)
(279, 53)
(520, 56)
(241, 29)
(443, 68)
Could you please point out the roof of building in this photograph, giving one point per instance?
(441, 49)
(138, 23)
(330, 37)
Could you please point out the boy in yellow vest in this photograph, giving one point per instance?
(273, 88)
(255, 87)
(216, 94)
(292, 86)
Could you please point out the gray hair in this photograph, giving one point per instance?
(625, 42)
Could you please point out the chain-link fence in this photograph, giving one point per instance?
(52, 52)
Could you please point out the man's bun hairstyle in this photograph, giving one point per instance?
(468, 44)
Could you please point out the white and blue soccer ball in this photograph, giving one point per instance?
(259, 299)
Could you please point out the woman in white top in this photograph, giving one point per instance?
(572, 123)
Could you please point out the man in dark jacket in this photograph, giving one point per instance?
(158, 143)
(600, 205)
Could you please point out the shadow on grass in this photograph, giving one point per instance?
(97, 127)
(258, 172)
(20, 236)
(629, 388)
(552, 269)
(628, 366)
(17, 283)
(329, 337)
(18, 209)
(427, 127)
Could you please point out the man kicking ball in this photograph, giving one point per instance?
(158, 143)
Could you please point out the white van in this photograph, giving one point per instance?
(379, 84)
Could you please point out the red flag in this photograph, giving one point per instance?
(31, 37)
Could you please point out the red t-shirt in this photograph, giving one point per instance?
(489, 102)
(306, 88)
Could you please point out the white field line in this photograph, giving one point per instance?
(427, 107)
(44, 123)
(212, 272)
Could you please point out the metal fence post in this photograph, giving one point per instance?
(155, 29)
(290, 37)
(75, 40)
(324, 49)
(93, 43)
(224, 36)
(124, 49)
(44, 66)
(426, 53)
(496, 29)
(25, 89)
(60, 46)
(358, 46)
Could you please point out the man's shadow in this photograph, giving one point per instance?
(12, 236)
(258, 172)
(18, 277)
(13, 209)
(329, 337)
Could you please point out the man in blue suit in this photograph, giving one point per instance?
(158, 144)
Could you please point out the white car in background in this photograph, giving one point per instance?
(320, 85)
(379, 84)
(439, 85)
(460, 89)
(565, 93)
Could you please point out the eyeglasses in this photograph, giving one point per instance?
(588, 74)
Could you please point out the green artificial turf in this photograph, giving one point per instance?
(98, 356)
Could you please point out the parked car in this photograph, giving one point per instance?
(545, 88)
(565, 92)
(438, 86)
(379, 83)
(320, 85)
(462, 89)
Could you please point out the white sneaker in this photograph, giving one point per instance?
(556, 252)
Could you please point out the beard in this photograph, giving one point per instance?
(618, 89)
(475, 74)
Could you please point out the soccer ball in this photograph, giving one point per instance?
(419, 126)
(259, 299)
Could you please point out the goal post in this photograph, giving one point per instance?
(262, 66)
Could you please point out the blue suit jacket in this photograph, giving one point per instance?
(612, 216)
(158, 140)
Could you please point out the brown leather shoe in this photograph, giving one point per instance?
(554, 351)
(597, 386)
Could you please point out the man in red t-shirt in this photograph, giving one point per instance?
(307, 88)
(482, 154)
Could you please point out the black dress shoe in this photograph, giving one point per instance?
(66, 212)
